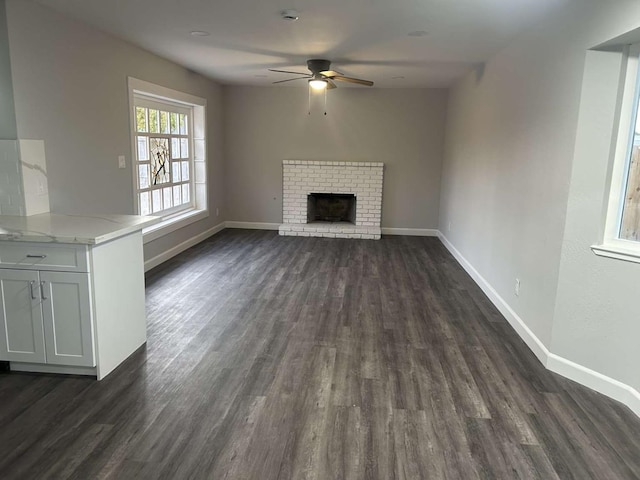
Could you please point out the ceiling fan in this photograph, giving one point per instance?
(321, 75)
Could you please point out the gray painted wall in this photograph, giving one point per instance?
(596, 317)
(70, 88)
(8, 129)
(524, 200)
(402, 128)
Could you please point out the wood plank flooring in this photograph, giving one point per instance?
(301, 358)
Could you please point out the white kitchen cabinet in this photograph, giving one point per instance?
(67, 318)
(46, 318)
(72, 294)
(21, 326)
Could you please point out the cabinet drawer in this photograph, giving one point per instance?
(44, 256)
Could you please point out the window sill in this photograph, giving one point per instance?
(617, 252)
(173, 223)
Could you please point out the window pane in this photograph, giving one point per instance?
(141, 119)
(143, 176)
(175, 170)
(145, 204)
(157, 200)
(166, 195)
(154, 120)
(159, 160)
(185, 171)
(163, 157)
(184, 148)
(175, 126)
(143, 149)
(185, 193)
(630, 226)
(164, 122)
(175, 148)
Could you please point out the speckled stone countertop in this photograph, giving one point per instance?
(61, 228)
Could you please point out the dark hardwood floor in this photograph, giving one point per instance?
(292, 358)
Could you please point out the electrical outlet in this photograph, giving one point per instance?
(517, 287)
(217, 212)
(122, 163)
(449, 227)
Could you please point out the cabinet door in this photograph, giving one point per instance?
(68, 323)
(21, 332)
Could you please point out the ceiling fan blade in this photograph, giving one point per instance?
(330, 73)
(359, 81)
(287, 71)
(330, 84)
(290, 79)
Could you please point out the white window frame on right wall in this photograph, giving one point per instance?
(612, 245)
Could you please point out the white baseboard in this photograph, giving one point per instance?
(555, 363)
(253, 225)
(596, 381)
(181, 247)
(414, 232)
(532, 341)
(419, 232)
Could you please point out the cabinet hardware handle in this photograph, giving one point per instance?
(36, 256)
(31, 284)
(42, 284)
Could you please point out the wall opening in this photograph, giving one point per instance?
(331, 207)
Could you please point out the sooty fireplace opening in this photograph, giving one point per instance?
(331, 207)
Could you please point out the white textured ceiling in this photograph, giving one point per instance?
(364, 38)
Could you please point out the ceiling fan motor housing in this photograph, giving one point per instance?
(317, 65)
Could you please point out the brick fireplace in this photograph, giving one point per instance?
(303, 179)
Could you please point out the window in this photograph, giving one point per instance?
(630, 209)
(622, 227)
(163, 153)
(169, 156)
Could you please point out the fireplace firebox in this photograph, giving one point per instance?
(331, 207)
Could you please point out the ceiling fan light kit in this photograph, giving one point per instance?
(318, 84)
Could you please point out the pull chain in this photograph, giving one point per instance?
(325, 101)
(309, 89)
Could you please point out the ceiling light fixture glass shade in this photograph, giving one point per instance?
(318, 84)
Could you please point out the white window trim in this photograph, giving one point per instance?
(153, 104)
(617, 252)
(611, 245)
(181, 219)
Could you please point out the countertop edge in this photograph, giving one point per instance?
(125, 231)
(80, 239)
